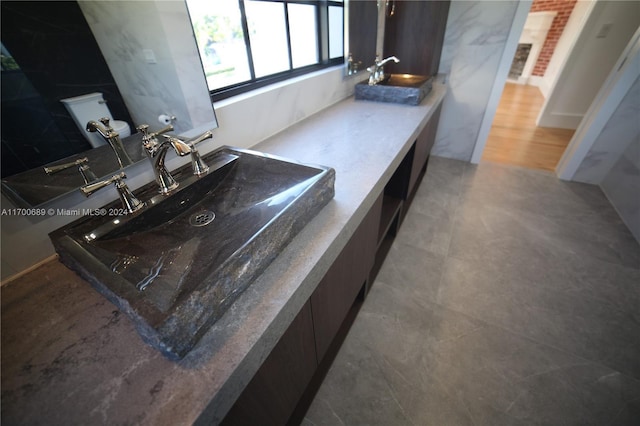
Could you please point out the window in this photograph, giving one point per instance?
(245, 44)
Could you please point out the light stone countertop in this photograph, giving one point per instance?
(70, 357)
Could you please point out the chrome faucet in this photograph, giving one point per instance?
(197, 163)
(156, 151)
(83, 167)
(113, 139)
(376, 71)
(129, 202)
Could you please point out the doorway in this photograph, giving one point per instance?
(603, 29)
(514, 137)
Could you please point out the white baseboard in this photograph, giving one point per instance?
(535, 80)
(520, 80)
(560, 121)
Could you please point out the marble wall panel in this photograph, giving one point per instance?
(621, 185)
(622, 129)
(474, 41)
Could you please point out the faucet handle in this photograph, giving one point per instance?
(144, 129)
(129, 202)
(147, 140)
(204, 136)
(60, 167)
(83, 167)
(169, 128)
(197, 163)
(89, 189)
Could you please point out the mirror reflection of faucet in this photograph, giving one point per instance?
(91, 107)
(113, 139)
(83, 167)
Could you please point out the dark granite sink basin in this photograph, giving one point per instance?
(405, 89)
(177, 265)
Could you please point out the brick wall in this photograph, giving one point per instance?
(564, 8)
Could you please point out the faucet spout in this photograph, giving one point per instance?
(390, 58)
(113, 139)
(181, 148)
(197, 163)
(94, 126)
(157, 151)
(377, 69)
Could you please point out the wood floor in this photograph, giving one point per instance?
(514, 137)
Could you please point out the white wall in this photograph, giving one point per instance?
(589, 63)
(620, 131)
(606, 147)
(621, 185)
(567, 40)
(474, 42)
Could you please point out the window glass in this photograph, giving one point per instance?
(268, 37)
(336, 25)
(217, 26)
(303, 30)
(245, 44)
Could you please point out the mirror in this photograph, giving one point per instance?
(141, 56)
(361, 31)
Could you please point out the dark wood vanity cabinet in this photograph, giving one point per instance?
(285, 384)
(424, 143)
(273, 393)
(336, 293)
(415, 33)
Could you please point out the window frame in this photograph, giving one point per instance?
(324, 61)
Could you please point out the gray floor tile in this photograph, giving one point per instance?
(508, 298)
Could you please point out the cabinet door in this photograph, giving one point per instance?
(424, 143)
(273, 393)
(337, 291)
(415, 34)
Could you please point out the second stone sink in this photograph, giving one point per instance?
(405, 89)
(177, 266)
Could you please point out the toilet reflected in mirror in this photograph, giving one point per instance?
(90, 107)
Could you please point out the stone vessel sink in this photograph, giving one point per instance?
(407, 89)
(177, 265)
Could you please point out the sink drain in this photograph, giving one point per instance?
(202, 219)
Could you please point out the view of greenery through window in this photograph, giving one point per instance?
(7, 61)
(244, 42)
(220, 37)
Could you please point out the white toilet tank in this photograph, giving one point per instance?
(89, 107)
